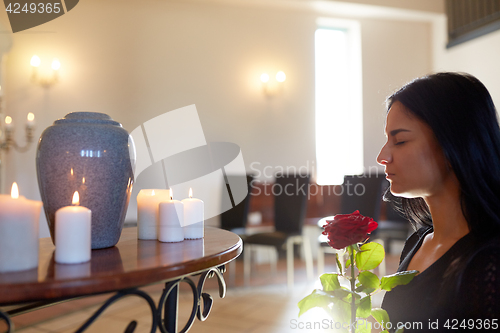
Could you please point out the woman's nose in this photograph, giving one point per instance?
(384, 157)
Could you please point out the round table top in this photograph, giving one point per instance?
(131, 263)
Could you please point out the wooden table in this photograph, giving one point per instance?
(125, 267)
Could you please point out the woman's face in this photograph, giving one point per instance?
(413, 159)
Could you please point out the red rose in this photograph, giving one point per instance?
(348, 229)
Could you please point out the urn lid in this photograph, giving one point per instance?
(87, 117)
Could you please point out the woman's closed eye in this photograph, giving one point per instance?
(399, 143)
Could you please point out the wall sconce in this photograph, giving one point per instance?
(48, 81)
(271, 89)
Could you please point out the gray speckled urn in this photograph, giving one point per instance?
(90, 153)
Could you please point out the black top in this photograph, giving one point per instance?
(463, 284)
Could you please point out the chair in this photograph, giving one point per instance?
(290, 203)
(363, 193)
(394, 227)
(235, 219)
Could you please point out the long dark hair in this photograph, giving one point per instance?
(459, 110)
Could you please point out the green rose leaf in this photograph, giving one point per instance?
(364, 308)
(363, 326)
(355, 247)
(369, 280)
(330, 282)
(339, 265)
(362, 289)
(318, 298)
(381, 316)
(370, 256)
(345, 295)
(398, 279)
(352, 248)
(341, 310)
(342, 293)
(348, 263)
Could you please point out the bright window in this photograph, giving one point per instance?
(339, 113)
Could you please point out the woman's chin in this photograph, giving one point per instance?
(402, 193)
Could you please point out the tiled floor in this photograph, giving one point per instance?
(265, 306)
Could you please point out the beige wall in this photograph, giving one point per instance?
(393, 53)
(136, 62)
(478, 57)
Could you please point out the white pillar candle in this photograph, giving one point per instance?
(171, 220)
(73, 233)
(19, 240)
(147, 212)
(193, 217)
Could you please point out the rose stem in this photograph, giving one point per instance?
(353, 285)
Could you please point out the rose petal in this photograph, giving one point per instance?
(347, 229)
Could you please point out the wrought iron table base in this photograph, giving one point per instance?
(163, 317)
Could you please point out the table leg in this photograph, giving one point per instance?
(167, 306)
(119, 295)
(10, 326)
(170, 311)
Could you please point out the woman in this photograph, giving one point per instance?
(442, 159)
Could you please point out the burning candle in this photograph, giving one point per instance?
(73, 236)
(171, 220)
(31, 121)
(18, 231)
(147, 212)
(193, 217)
(8, 124)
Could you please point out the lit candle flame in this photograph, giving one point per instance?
(76, 199)
(153, 193)
(14, 192)
(8, 120)
(31, 116)
(190, 192)
(83, 180)
(171, 194)
(71, 171)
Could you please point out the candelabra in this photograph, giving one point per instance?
(8, 141)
